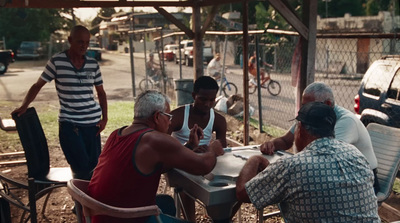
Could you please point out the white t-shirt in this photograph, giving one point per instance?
(213, 67)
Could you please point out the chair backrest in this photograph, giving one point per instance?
(386, 144)
(78, 190)
(34, 143)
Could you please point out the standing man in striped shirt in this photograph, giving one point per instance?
(81, 118)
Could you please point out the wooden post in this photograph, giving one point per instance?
(197, 43)
(307, 72)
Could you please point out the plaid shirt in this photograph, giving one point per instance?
(329, 181)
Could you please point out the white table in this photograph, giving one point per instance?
(217, 190)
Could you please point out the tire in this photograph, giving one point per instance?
(142, 84)
(175, 59)
(3, 67)
(229, 89)
(274, 88)
(252, 88)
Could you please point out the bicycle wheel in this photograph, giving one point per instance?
(229, 88)
(145, 84)
(170, 88)
(252, 89)
(274, 87)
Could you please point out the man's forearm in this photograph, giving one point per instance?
(248, 171)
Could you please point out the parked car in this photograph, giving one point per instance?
(378, 98)
(30, 50)
(6, 57)
(169, 51)
(187, 53)
(94, 51)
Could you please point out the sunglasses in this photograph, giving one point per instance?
(166, 114)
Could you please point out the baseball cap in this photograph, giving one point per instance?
(317, 115)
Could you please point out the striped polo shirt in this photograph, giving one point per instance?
(75, 88)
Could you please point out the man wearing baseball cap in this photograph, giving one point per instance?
(326, 181)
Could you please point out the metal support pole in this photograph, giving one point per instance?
(246, 120)
(131, 57)
(260, 122)
(164, 80)
(145, 57)
(223, 65)
(180, 57)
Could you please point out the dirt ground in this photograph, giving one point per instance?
(59, 207)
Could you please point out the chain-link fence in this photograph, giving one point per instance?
(340, 62)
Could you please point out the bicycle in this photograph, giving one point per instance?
(157, 81)
(273, 87)
(228, 88)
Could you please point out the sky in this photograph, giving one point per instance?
(90, 13)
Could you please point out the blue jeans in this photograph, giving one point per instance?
(167, 205)
(81, 147)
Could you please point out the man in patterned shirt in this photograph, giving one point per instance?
(326, 181)
(81, 118)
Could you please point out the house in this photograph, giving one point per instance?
(351, 43)
(114, 33)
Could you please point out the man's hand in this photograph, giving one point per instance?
(19, 111)
(102, 125)
(196, 134)
(216, 147)
(201, 149)
(267, 148)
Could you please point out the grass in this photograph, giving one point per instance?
(271, 130)
(396, 186)
(120, 113)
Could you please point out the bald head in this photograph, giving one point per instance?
(79, 41)
(78, 29)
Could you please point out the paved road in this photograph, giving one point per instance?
(276, 110)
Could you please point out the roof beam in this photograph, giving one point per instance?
(283, 8)
(209, 19)
(178, 23)
(92, 4)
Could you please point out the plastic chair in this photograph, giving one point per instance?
(386, 144)
(42, 179)
(89, 206)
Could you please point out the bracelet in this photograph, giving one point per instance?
(188, 146)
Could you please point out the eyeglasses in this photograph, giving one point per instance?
(166, 114)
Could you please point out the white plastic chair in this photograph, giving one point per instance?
(89, 206)
(386, 144)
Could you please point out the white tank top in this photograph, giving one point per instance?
(183, 134)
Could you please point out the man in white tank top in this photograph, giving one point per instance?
(201, 112)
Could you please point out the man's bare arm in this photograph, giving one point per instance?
(30, 96)
(251, 168)
(284, 142)
(220, 129)
(101, 94)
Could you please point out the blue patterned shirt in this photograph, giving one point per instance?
(329, 181)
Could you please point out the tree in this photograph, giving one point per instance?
(103, 14)
(25, 24)
(337, 8)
